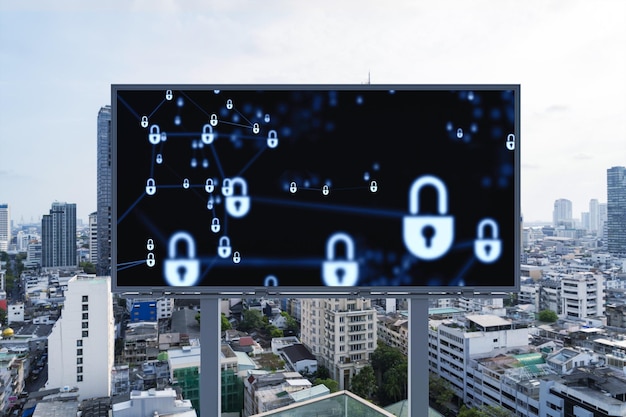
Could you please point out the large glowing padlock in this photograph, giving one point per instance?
(486, 249)
(272, 139)
(155, 134)
(510, 142)
(181, 270)
(209, 186)
(238, 205)
(428, 236)
(336, 273)
(223, 248)
(215, 225)
(207, 134)
(151, 186)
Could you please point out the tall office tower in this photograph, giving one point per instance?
(104, 179)
(616, 210)
(562, 214)
(93, 238)
(602, 216)
(81, 345)
(58, 236)
(594, 215)
(341, 333)
(5, 227)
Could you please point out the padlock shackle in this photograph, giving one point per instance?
(272, 134)
(272, 279)
(442, 194)
(207, 127)
(480, 230)
(330, 246)
(241, 182)
(155, 129)
(150, 182)
(224, 239)
(178, 236)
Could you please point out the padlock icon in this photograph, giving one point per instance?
(208, 185)
(255, 128)
(215, 225)
(293, 187)
(459, 133)
(207, 134)
(325, 190)
(266, 118)
(150, 244)
(340, 273)
(373, 186)
(428, 236)
(159, 158)
(213, 120)
(155, 134)
(236, 257)
(169, 95)
(163, 137)
(144, 121)
(272, 139)
(510, 142)
(229, 104)
(270, 281)
(181, 270)
(209, 203)
(150, 186)
(238, 205)
(186, 183)
(486, 249)
(223, 248)
(227, 188)
(150, 261)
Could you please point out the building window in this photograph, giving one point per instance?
(79, 352)
(79, 369)
(79, 361)
(85, 325)
(85, 333)
(79, 378)
(79, 342)
(85, 307)
(85, 316)
(85, 298)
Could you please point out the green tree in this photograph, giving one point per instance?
(275, 332)
(470, 412)
(331, 384)
(225, 324)
(88, 267)
(3, 317)
(322, 372)
(548, 316)
(252, 320)
(439, 390)
(292, 324)
(364, 383)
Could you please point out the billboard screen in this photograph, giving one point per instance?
(315, 189)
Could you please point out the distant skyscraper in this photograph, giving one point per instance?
(616, 210)
(602, 215)
(594, 215)
(5, 227)
(562, 213)
(58, 235)
(104, 190)
(93, 238)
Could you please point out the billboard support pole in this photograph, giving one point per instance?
(210, 375)
(418, 356)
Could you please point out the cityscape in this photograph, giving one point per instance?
(558, 347)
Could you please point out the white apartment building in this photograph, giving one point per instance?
(165, 307)
(529, 294)
(341, 333)
(93, 238)
(81, 344)
(583, 295)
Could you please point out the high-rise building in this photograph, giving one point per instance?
(616, 211)
(562, 214)
(81, 344)
(5, 227)
(594, 215)
(341, 333)
(93, 238)
(58, 235)
(104, 187)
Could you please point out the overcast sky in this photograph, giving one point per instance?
(58, 60)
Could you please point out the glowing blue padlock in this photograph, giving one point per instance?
(325, 190)
(229, 104)
(270, 281)
(144, 121)
(159, 159)
(236, 257)
(169, 95)
(207, 134)
(150, 261)
(428, 236)
(155, 134)
(340, 273)
(293, 187)
(213, 120)
(510, 142)
(151, 186)
(150, 244)
(272, 139)
(373, 186)
(181, 270)
(487, 250)
(227, 188)
(186, 183)
(215, 225)
(224, 249)
(238, 205)
(208, 185)
(255, 128)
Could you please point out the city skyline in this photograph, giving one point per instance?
(60, 61)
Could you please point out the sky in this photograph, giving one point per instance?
(59, 59)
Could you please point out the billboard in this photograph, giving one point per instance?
(315, 189)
